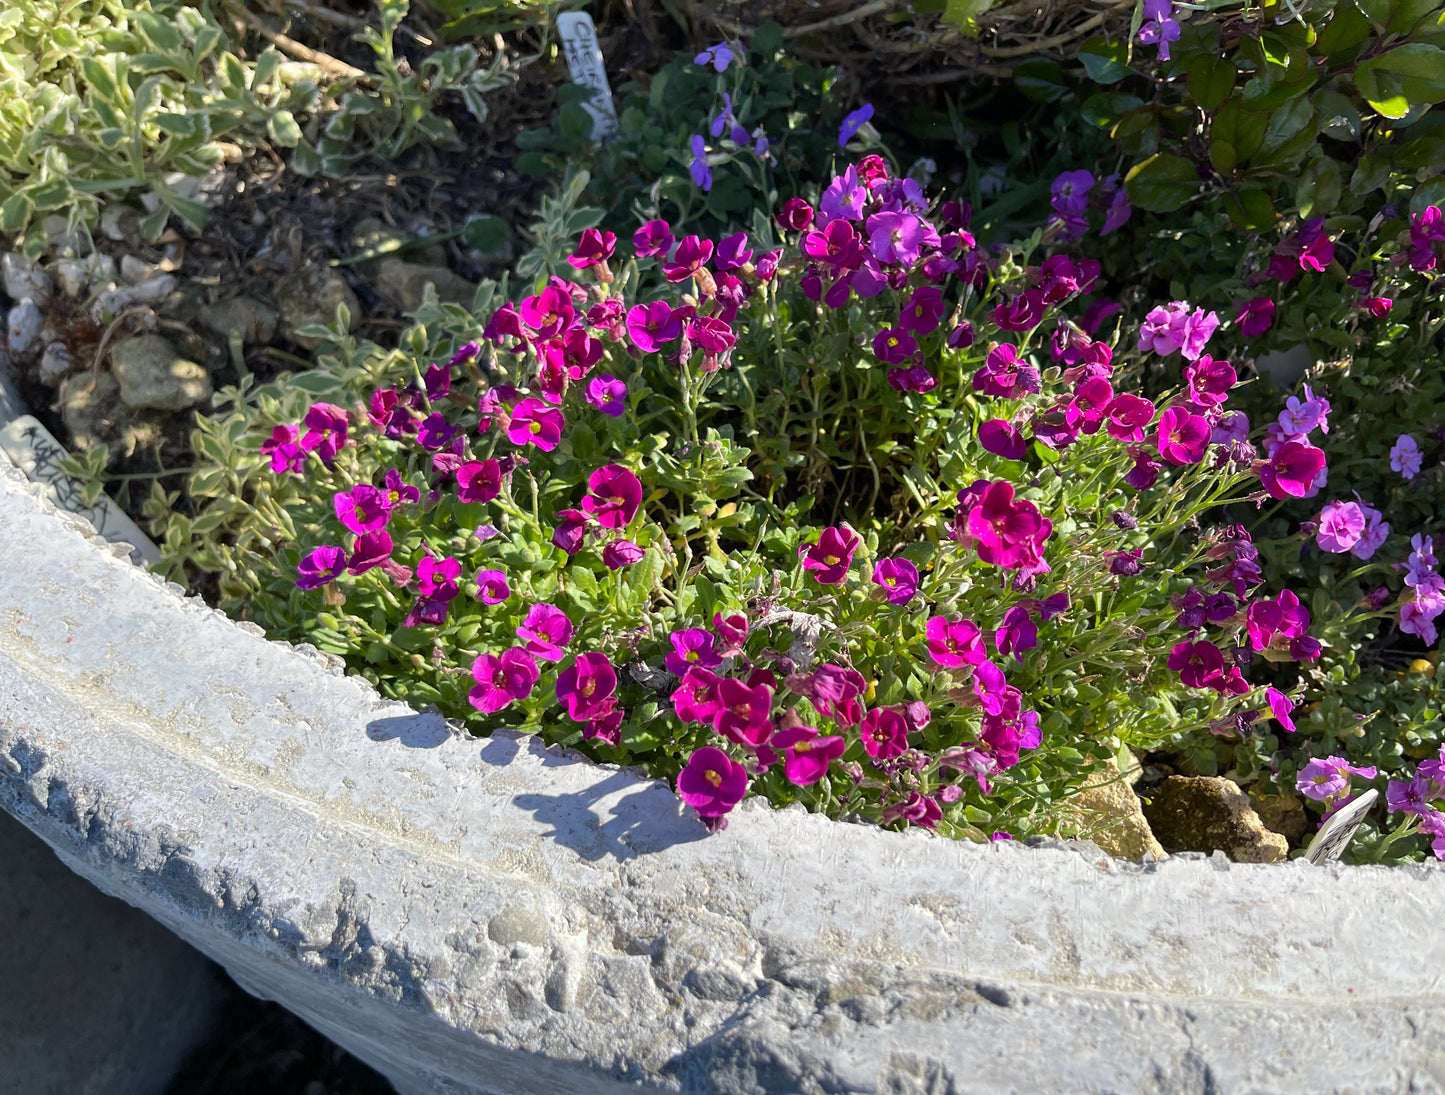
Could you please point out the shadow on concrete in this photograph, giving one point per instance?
(414, 731)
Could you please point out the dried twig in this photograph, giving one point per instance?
(290, 46)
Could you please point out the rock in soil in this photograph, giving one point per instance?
(24, 279)
(96, 415)
(1209, 814)
(1283, 814)
(406, 282)
(1107, 812)
(310, 295)
(255, 319)
(154, 376)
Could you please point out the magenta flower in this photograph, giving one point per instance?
(734, 252)
(955, 644)
(1285, 616)
(898, 578)
(1018, 633)
(586, 687)
(535, 423)
(807, 755)
(1341, 524)
(744, 713)
(714, 335)
(545, 632)
(893, 345)
(923, 312)
(502, 681)
(1128, 416)
(696, 697)
(835, 243)
(1324, 778)
(692, 647)
(1255, 317)
(607, 394)
(1196, 662)
(437, 578)
(711, 783)
(319, 567)
(1182, 437)
(594, 248)
(548, 313)
(492, 587)
(570, 532)
(1005, 375)
(617, 554)
(1291, 470)
(1280, 707)
(831, 556)
(993, 691)
(884, 732)
(363, 508)
(285, 452)
(732, 630)
(651, 325)
(1008, 532)
(1023, 313)
(691, 256)
(326, 427)
(371, 549)
(1405, 456)
(1210, 380)
(1160, 331)
(479, 480)
(653, 238)
(616, 495)
(1379, 307)
(1001, 439)
(795, 215)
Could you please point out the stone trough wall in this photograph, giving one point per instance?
(490, 916)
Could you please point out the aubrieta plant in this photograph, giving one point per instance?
(556, 528)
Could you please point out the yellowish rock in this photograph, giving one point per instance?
(1107, 812)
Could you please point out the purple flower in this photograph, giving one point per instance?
(621, 553)
(398, 490)
(651, 325)
(652, 239)
(699, 170)
(1341, 524)
(1299, 419)
(896, 237)
(545, 632)
(733, 251)
(1119, 211)
(924, 310)
(607, 394)
(1255, 317)
(1018, 633)
(1410, 796)
(695, 646)
(844, 197)
(898, 578)
(1160, 28)
(1183, 438)
(492, 587)
(1405, 456)
(954, 644)
(437, 578)
(719, 56)
(808, 755)
(1280, 707)
(1232, 427)
(894, 346)
(1324, 778)
(479, 480)
(326, 427)
(854, 122)
(1001, 439)
(1376, 531)
(501, 681)
(319, 567)
(711, 783)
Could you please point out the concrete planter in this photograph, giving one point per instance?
(491, 916)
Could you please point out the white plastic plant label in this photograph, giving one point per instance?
(1335, 835)
(584, 62)
(35, 452)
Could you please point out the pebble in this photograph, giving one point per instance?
(24, 278)
(24, 323)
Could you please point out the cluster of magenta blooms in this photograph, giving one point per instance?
(870, 233)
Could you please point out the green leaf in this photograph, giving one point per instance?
(1104, 61)
(767, 40)
(1162, 183)
(1105, 108)
(1319, 187)
(1042, 81)
(1250, 209)
(283, 129)
(1211, 79)
(1405, 77)
(1346, 29)
(1338, 117)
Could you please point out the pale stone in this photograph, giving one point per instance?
(60, 240)
(1107, 812)
(1211, 814)
(256, 320)
(25, 279)
(310, 294)
(406, 283)
(154, 376)
(55, 363)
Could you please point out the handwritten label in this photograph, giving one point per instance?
(1335, 835)
(29, 444)
(584, 62)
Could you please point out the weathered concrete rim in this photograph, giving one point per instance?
(476, 915)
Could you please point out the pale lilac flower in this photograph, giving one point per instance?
(1326, 777)
(1341, 524)
(1405, 456)
(719, 56)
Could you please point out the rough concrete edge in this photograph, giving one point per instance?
(57, 819)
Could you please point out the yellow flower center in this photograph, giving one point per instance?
(690, 656)
(712, 777)
(535, 427)
(831, 560)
